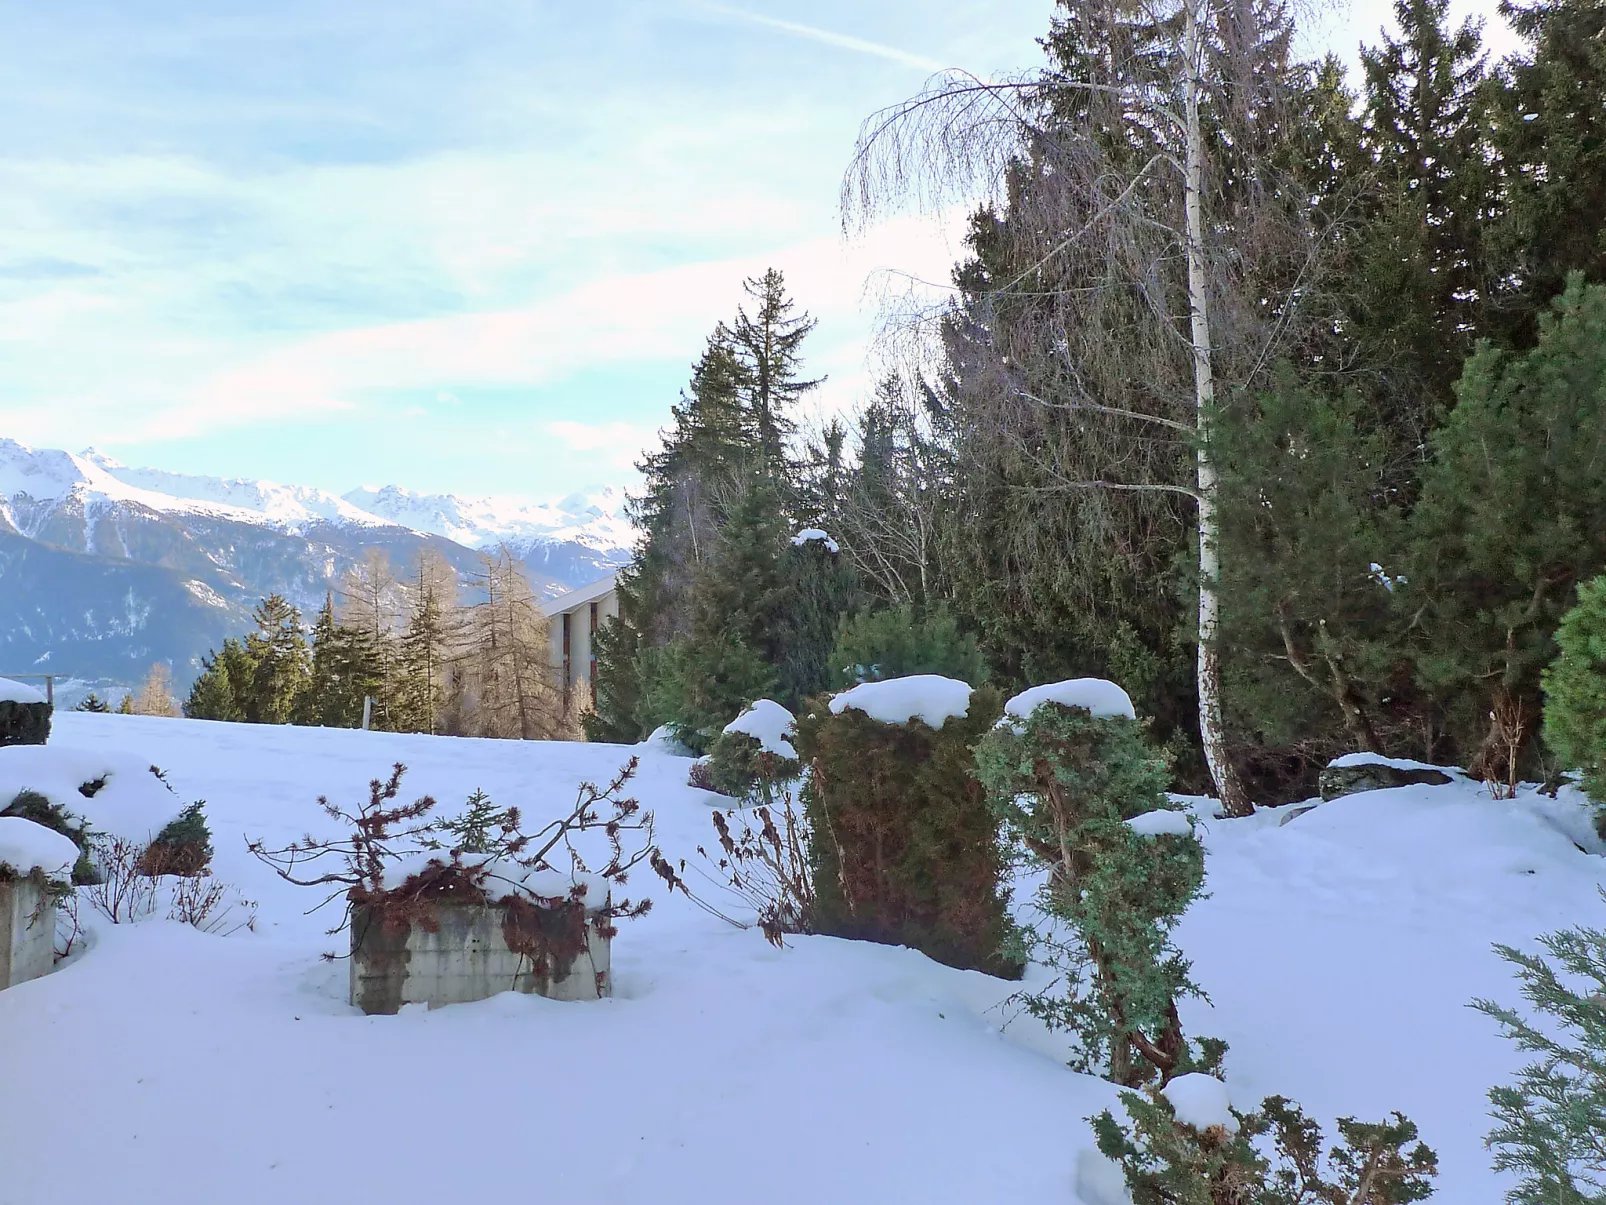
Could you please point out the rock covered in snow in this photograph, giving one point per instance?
(1162, 822)
(663, 741)
(17, 692)
(1200, 1101)
(768, 723)
(1357, 772)
(26, 847)
(1098, 696)
(928, 697)
(813, 535)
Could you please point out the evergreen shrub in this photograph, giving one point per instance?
(740, 766)
(1550, 1126)
(183, 847)
(24, 723)
(905, 851)
(1064, 783)
(1575, 694)
(898, 641)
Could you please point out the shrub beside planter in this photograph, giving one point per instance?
(463, 951)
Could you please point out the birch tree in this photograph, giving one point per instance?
(1158, 260)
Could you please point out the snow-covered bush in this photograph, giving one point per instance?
(899, 641)
(30, 850)
(1073, 777)
(1575, 694)
(1550, 1126)
(753, 756)
(905, 849)
(24, 715)
(1186, 1145)
(99, 798)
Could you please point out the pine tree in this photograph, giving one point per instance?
(279, 660)
(769, 343)
(222, 689)
(425, 652)
(93, 702)
(1549, 135)
(1550, 1126)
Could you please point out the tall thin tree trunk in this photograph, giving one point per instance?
(1212, 730)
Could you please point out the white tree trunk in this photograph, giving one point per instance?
(1212, 731)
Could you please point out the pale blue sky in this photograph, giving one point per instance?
(468, 246)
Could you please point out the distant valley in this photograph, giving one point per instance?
(105, 569)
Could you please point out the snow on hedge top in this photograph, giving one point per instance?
(1200, 1101)
(811, 535)
(768, 723)
(503, 876)
(1397, 763)
(928, 697)
(1096, 695)
(133, 804)
(26, 847)
(16, 692)
(1162, 822)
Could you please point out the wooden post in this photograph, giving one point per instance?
(367, 711)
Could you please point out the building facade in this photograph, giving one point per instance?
(573, 619)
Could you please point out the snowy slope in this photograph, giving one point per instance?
(595, 519)
(1339, 951)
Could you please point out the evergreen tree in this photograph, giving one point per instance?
(93, 702)
(425, 652)
(279, 660)
(1549, 135)
(1575, 694)
(222, 689)
(1512, 519)
(769, 345)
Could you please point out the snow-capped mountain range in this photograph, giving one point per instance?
(106, 568)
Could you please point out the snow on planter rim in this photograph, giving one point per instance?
(504, 876)
(768, 723)
(17, 692)
(928, 697)
(26, 847)
(1099, 696)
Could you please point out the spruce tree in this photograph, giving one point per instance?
(769, 345)
(280, 664)
(222, 690)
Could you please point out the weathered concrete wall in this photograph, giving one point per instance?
(467, 959)
(27, 932)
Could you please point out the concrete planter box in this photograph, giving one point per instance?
(27, 932)
(469, 958)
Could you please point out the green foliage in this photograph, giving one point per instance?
(93, 702)
(219, 692)
(1512, 517)
(739, 766)
(279, 659)
(906, 850)
(1575, 693)
(184, 846)
(24, 723)
(1550, 1126)
(894, 642)
(1064, 782)
(1168, 1162)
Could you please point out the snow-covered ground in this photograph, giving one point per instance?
(161, 1064)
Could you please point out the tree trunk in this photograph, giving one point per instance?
(1212, 731)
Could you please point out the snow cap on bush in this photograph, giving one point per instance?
(768, 723)
(1097, 696)
(928, 697)
(26, 847)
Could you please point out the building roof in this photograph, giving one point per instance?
(600, 588)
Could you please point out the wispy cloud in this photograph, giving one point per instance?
(829, 37)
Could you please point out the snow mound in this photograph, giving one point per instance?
(1100, 1180)
(663, 740)
(16, 692)
(26, 847)
(1095, 695)
(768, 723)
(1395, 763)
(813, 535)
(504, 876)
(133, 804)
(1200, 1101)
(1162, 822)
(928, 697)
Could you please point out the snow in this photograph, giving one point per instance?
(594, 518)
(928, 697)
(26, 847)
(1200, 1101)
(503, 876)
(1095, 695)
(662, 740)
(813, 535)
(134, 805)
(1397, 763)
(878, 1074)
(770, 724)
(1161, 821)
(16, 692)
